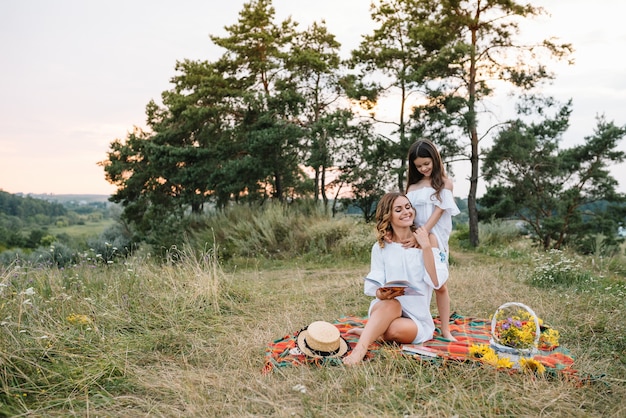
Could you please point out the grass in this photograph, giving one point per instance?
(88, 229)
(187, 338)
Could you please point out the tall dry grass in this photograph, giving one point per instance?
(187, 338)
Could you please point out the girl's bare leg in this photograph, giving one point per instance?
(383, 313)
(443, 306)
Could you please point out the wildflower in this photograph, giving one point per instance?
(28, 292)
(479, 350)
(299, 388)
(530, 365)
(491, 357)
(517, 331)
(78, 319)
(549, 338)
(504, 363)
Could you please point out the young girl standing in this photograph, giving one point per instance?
(430, 192)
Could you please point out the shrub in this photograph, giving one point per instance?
(112, 243)
(357, 243)
(278, 230)
(497, 233)
(460, 236)
(12, 256)
(555, 267)
(57, 254)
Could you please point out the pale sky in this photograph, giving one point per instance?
(75, 74)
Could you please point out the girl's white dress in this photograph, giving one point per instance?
(425, 201)
(393, 262)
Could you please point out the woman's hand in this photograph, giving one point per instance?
(386, 293)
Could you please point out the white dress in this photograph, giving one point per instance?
(393, 262)
(425, 201)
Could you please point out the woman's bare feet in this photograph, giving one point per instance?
(355, 356)
(355, 331)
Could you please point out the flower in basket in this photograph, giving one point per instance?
(548, 339)
(518, 330)
(516, 333)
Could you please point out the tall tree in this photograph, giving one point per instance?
(395, 61)
(178, 160)
(484, 50)
(314, 65)
(256, 49)
(365, 168)
(194, 127)
(548, 188)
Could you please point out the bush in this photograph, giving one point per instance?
(460, 236)
(12, 256)
(357, 243)
(280, 231)
(498, 233)
(112, 243)
(554, 268)
(58, 254)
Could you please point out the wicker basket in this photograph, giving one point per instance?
(497, 345)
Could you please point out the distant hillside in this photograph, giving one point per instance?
(28, 206)
(65, 198)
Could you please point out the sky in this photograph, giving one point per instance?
(76, 75)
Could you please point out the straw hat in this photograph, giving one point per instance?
(322, 339)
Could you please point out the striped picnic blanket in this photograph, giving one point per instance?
(468, 331)
(283, 352)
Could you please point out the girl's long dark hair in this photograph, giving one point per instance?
(425, 149)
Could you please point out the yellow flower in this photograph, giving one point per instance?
(479, 350)
(549, 338)
(530, 365)
(78, 319)
(517, 330)
(504, 363)
(491, 357)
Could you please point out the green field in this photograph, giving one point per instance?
(88, 229)
(188, 338)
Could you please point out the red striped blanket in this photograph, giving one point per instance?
(468, 331)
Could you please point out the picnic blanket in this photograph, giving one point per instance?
(467, 330)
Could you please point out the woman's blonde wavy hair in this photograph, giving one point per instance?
(383, 217)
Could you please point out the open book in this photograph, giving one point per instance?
(419, 349)
(398, 284)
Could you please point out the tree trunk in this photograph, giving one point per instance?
(323, 189)
(472, 122)
(317, 183)
(471, 197)
(278, 193)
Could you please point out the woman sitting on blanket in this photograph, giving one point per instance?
(392, 316)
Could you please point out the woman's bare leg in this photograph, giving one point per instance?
(383, 313)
